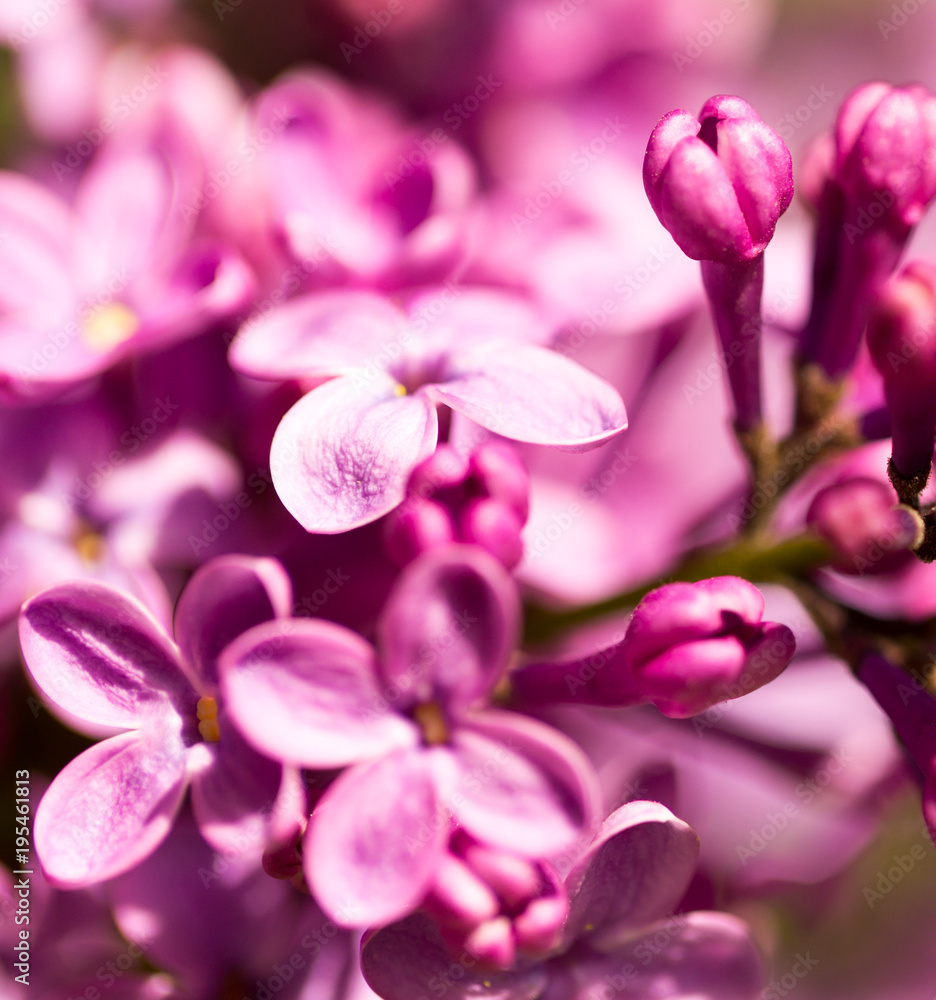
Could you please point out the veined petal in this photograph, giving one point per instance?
(342, 455)
(99, 654)
(110, 807)
(373, 843)
(528, 393)
(636, 871)
(305, 692)
(523, 786)
(323, 334)
(224, 598)
(449, 627)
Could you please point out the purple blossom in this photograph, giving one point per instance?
(117, 273)
(342, 456)
(103, 658)
(427, 753)
(617, 936)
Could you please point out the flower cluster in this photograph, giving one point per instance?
(393, 604)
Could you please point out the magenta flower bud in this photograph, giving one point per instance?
(719, 183)
(483, 500)
(495, 904)
(868, 532)
(881, 179)
(902, 341)
(688, 646)
(885, 140)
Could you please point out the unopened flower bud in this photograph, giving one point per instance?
(720, 182)
(688, 646)
(885, 141)
(867, 531)
(482, 501)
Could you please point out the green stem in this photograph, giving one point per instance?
(755, 558)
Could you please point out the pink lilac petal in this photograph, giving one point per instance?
(210, 284)
(224, 598)
(634, 873)
(529, 394)
(232, 796)
(402, 961)
(122, 209)
(100, 654)
(523, 786)
(449, 628)
(341, 457)
(306, 692)
(476, 315)
(324, 334)
(34, 254)
(110, 807)
(375, 840)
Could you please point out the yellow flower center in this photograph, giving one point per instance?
(88, 544)
(109, 326)
(430, 720)
(207, 712)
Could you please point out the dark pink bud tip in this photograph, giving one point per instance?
(719, 183)
(885, 141)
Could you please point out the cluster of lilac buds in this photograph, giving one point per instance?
(386, 611)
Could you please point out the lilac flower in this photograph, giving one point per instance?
(349, 187)
(98, 654)
(74, 504)
(411, 718)
(482, 500)
(117, 274)
(688, 646)
(902, 341)
(719, 185)
(342, 456)
(616, 937)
